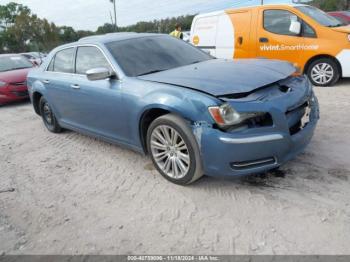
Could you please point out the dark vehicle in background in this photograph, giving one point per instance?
(35, 58)
(341, 16)
(13, 74)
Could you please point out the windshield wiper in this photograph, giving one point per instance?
(152, 72)
(196, 62)
(337, 25)
(18, 68)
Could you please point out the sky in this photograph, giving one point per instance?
(90, 14)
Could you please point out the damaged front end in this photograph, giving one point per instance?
(292, 96)
(261, 130)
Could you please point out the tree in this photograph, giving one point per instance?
(106, 28)
(23, 31)
(332, 5)
(9, 13)
(160, 26)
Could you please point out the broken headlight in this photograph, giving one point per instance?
(225, 115)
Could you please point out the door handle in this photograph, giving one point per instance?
(46, 81)
(75, 86)
(240, 40)
(263, 40)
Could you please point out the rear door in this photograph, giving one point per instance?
(203, 33)
(224, 37)
(241, 21)
(57, 78)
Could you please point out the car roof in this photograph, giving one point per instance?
(112, 37)
(249, 7)
(106, 38)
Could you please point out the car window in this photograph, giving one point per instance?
(63, 61)
(89, 57)
(146, 55)
(50, 67)
(279, 21)
(308, 31)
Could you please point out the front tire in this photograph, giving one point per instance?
(48, 116)
(174, 150)
(323, 72)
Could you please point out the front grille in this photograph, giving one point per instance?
(253, 163)
(19, 83)
(20, 93)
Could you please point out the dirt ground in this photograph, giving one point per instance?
(72, 194)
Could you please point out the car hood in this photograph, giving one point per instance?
(14, 76)
(342, 29)
(220, 77)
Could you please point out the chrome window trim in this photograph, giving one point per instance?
(53, 57)
(76, 47)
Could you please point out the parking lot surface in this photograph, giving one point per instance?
(72, 194)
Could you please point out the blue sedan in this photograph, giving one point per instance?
(193, 114)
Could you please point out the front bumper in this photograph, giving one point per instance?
(12, 93)
(256, 151)
(344, 58)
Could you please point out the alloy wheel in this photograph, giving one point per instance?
(322, 73)
(47, 114)
(170, 151)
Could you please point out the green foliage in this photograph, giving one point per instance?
(22, 31)
(160, 26)
(332, 5)
(156, 26)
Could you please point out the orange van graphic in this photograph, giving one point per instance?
(312, 40)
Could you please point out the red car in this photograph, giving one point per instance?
(342, 16)
(13, 75)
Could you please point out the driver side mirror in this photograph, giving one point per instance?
(100, 73)
(295, 27)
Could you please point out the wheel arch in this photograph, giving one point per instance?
(36, 99)
(149, 115)
(314, 58)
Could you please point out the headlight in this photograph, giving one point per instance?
(2, 84)
(225, 115)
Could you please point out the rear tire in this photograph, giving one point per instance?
(323, 72)
(48, 116)
(174, 150)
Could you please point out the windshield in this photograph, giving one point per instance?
(342, 20)
(146, 55)
(320, 16)
(8, 63)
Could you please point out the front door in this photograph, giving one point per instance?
(275, 39)
(98, 107)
